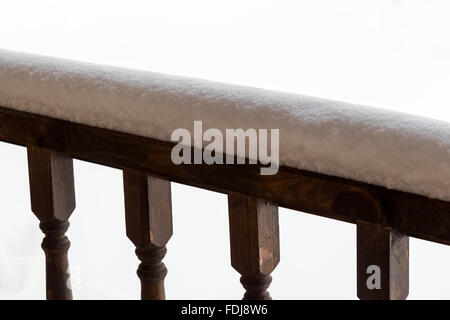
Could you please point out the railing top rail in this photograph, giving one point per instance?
(328, 196)
(375, 146)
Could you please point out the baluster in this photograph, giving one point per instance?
(254, 240)
(148, 212)
(382, 253)
(383, 263)
(53, 201)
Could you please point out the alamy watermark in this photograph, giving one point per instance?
(374, 280)
(239, 144)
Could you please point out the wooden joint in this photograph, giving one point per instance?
(360, 205)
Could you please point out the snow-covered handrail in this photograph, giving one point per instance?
(388, 172)
(381, 147)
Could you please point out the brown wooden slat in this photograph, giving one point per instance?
(148, 212)
(254, 242)
(53, 201)
(323, 195)
(382, 263)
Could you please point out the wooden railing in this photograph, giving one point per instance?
(384, 218)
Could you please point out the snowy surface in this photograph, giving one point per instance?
(382, 147)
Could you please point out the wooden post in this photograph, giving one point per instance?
(255, 245)
(148, 212)
(382, 263)
(53, 201)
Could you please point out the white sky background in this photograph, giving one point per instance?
(392, 54)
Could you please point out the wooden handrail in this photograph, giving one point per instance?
(398, 214)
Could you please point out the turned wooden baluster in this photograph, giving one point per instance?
(382, 263)
(53, 201)
(148, 211)
(254, 240)
(382, 253)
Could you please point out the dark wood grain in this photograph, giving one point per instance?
(318, 194)
(388, 250)
(53, 201)
(254, 242)
(148, 212)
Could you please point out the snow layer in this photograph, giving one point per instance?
(382, 147)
